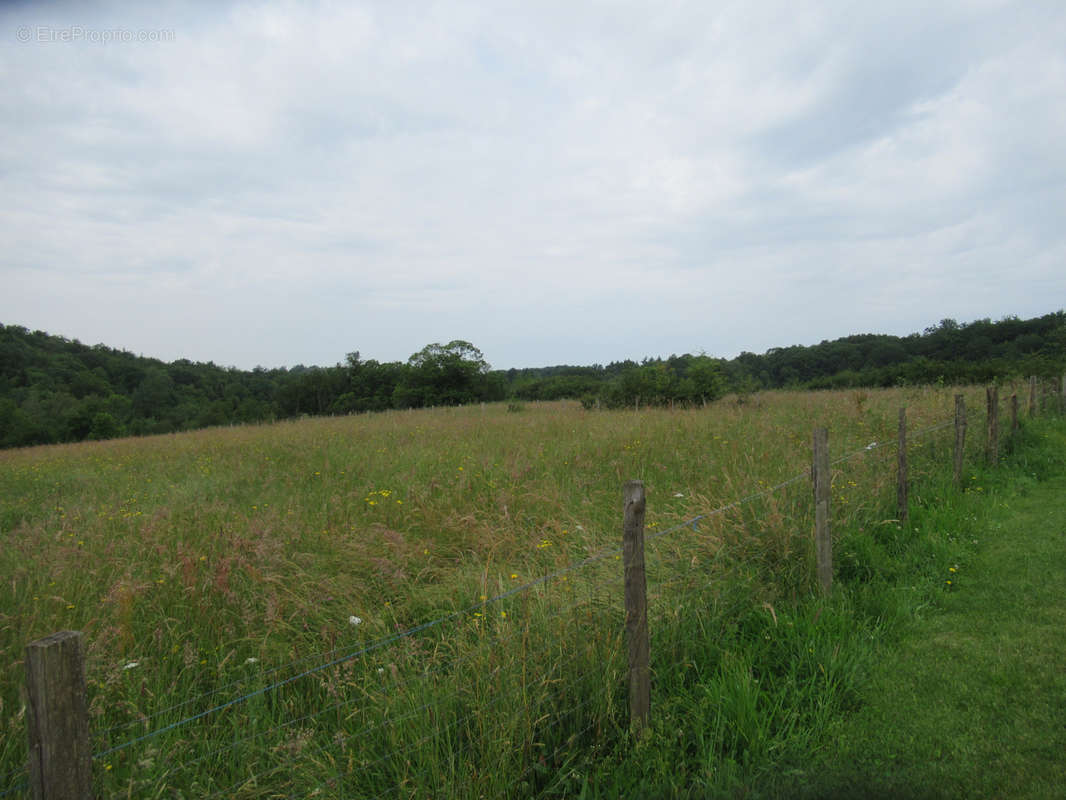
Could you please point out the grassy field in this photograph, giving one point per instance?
(439, 597)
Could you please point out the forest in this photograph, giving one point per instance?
(54, 389)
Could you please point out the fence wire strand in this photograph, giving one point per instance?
(373, 646)
(333, 659)
(435, 734)
(391, 639)
(394, 685)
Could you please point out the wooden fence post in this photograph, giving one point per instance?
(960, 437)
(636, 600)
(992, 393)
(1013, 414)
(901, 471)
(57, 718)
(1062, 394)
(1032, 395)
(821, 478)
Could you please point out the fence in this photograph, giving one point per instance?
(525, 658)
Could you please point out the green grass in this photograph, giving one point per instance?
(970, 701)
(221, 562)
(934, 671)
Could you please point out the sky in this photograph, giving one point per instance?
(277, 183)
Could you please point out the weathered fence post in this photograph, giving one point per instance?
(1013, 414)
(992, 393)
(1062, 394)
(821, 478)
(1032, 395)
(901, 472)
(960, 436)
(57, 718)
(636, 599)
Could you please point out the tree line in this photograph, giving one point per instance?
(54, 389)
(948, 352)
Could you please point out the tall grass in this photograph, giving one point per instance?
(206, 568)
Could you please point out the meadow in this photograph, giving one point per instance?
(429, 603)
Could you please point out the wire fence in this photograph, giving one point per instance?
(538, 672)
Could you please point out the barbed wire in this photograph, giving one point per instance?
(334, 660)
(219, 689)
(393, 638)
(805, 475)
(516, 590)
(331, 655)
(891, 443)
(438, 732)
(394, 685)
(373, 646)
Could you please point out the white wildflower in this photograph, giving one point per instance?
(252, 660)
(132, 664)
(678, 494)
(355, 620)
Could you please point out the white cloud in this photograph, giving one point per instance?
(283, 183)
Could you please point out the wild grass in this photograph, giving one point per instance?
(207, 568)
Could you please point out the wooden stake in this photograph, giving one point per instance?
(960, 436)
(636, 601)
(57, 718)
(1013, 414)
(992, 393)
(821, 478)
(1032, 395)
(901, 471)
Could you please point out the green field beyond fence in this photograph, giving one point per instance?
(430, 604)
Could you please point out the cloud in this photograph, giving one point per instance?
(277, 182)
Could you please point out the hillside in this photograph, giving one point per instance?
(54, 389)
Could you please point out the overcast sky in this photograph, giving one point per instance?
(557, 182)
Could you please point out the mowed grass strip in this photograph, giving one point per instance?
(973, 702)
